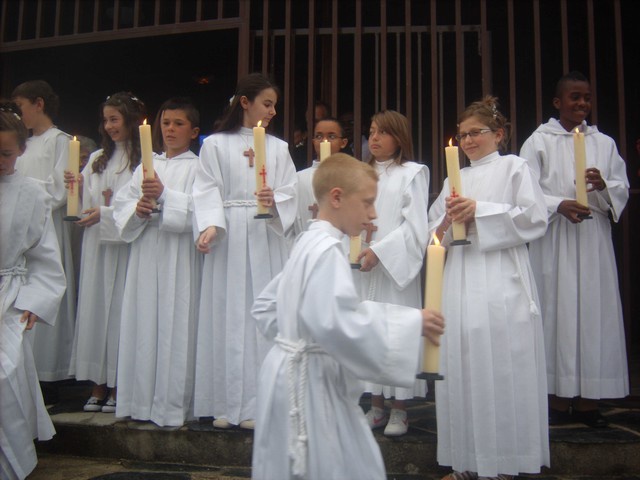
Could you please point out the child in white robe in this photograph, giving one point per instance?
(491, 407)
(156, 357)
(104, 254)
(309, 423)
(574, 263)
(392, 262)
(45, 159)
(246, 252)
(32, 284)
(331, 131)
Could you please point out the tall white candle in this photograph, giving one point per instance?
(146, 151)
(455, 186)
(355, 246)
(581, 166)
(260, 162)
(433, 300)
(73, 165)
(325, 149)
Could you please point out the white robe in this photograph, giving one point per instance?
(325, 341)
(399, 243)
(102, 275)
(245, 256)
(156, 359)
(491, 407)
(46, 159)
(31, 278)
(575, 267)
(306, 198)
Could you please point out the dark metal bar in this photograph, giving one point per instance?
(593, 77)
(460, 97)
(537, 60)
(512, 78)
(485, 50)
(408, 62)
(384, 85)
(116, 14)
(311, 74)
(136, 13)
(38, 18)
(198, 10)
(3, 20)
(178, 14)
(244, 33)
(565, 36)
(420, 154)
(156, 12)
(76, 16)
(288, 73)
(334, 56)
(96, 10)
(56, 26)
(265, 37)
(357, 83)
(398, 73)
(220, 9)
(436, 141)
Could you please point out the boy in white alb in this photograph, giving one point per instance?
(309, 424)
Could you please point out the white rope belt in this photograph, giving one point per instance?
(239, 203)
(16, 271)
(297, 363)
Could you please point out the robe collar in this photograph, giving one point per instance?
(327, 227)
(554, 127)
(492, 157)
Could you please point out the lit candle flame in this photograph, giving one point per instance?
(577, 131)
(436, 242)
(451, 142)
(145, 122)
(75, 139)
(259, 123)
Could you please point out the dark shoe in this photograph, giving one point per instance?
(591, 418)
(560, 417)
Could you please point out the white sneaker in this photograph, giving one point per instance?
(94, 404)
(222, 423)
(376, 417)
(398, 424)
(248, 424)
(109, 406)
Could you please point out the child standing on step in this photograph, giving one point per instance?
(103, 266)
(393, 260)
(156, 358)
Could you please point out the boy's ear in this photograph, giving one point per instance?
(194, 133)
(556, 103)
(335, 197)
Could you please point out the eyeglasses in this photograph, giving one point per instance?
(331, 137)
(472, 134)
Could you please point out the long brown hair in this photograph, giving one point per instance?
(396, 125)
(250, 87)
(133, 112)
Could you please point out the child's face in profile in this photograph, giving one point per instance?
(330, 131)
(358, 208)
(177, 131)
(113, 122)
(9, 152)
(262, 109)
(29, 110)
(574, 104)
(382, 145)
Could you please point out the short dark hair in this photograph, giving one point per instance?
(573, 76)
(34, 89)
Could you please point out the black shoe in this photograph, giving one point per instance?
(591, 418)
(560, 417)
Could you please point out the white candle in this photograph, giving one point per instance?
(260, 162)
(325, 149)
(455, 186)
(146, 151)
(581, 167)
(355, 246)
(433, 300)
(73, 165)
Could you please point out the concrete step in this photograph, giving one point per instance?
(575, 449)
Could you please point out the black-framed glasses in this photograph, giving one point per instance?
(472, 134)
(332, 137)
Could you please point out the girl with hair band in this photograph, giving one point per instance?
(244, 253)
(491, 407)
(104, 254)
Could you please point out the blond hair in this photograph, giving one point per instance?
(342, 171)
